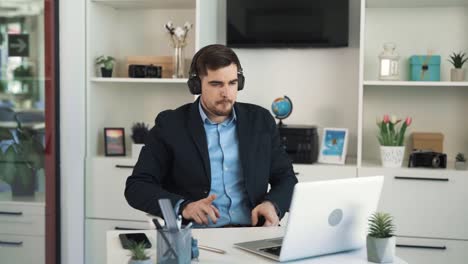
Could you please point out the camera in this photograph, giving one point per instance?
(144, 71)
(428, 159)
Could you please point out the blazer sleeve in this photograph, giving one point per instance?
(282, 177)
(144, 188)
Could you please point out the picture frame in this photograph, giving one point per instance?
(114, 141)
(334, 146)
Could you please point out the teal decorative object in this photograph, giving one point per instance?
(425, 68)
(282, 108)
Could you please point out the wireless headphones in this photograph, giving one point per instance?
(194, 81)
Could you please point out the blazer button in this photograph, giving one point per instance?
(205, 192)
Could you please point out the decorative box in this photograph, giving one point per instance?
(428, 141)
(425, 68)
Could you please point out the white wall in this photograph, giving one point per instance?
(72, 129)
(322, 83)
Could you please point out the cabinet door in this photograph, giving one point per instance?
(105, 186)
(22, 249)
(322, 172)
(95, 237)
(424, 203)
(22, 219)
(431, 251)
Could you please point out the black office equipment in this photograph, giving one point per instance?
(300, 142)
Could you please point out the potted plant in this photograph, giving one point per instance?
(381, 241)
(391, 139)
(106, 64)
(139, 255)
(21, 156)
(460, 162)
(457, 74)
(139, 132)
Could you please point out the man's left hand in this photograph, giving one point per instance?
(267, 210)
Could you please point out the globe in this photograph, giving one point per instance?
(282, 108)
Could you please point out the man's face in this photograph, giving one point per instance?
(219, 90)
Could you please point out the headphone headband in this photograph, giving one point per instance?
(194, 81)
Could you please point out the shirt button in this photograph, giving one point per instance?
(225, 168)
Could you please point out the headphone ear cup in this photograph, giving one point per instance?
(240, 81)
(194, 85)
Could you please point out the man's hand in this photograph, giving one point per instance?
(267, 210)
(199, 210)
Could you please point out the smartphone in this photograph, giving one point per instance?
(126, 239)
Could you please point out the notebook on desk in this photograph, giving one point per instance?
(325, 217)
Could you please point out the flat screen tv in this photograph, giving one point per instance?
(287, 23)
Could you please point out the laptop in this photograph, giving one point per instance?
(325, 217)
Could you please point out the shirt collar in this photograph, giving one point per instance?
(205, 118)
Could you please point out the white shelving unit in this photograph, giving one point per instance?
(139, 80)
(414, 84)
(412, 194)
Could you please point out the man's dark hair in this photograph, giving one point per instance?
(213, 57)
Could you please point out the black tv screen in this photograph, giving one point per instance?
(287, 23)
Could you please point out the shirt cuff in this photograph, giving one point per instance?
(177, 206)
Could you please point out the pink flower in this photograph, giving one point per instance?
(386, 119)
(408, 121)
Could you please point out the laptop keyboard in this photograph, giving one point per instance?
(272, 250)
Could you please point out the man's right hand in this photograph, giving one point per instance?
(199, 210)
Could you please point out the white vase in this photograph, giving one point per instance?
(136, 149)
(381, 250)
(457, 75)
(392, 157)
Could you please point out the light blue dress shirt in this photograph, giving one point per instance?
(227, 179)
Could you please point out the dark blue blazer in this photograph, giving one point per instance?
(174, 162)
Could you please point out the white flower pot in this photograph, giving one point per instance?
(460, 165)
(136, 149)
(457, 75)
(381, 250)
(146, 261)
(392, 157)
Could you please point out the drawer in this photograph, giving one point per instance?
(323, 172)
(22, 219)
(105, 186)
(96, 237)
(424, 203)
(432, 251)
(22, 249)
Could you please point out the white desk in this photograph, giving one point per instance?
(224, 238)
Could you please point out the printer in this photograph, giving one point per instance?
(300, 142)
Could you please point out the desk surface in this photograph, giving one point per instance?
(224, 238)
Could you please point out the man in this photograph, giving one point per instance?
(214, 158)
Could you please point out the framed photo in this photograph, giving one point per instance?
(114, 141)
(334, 145)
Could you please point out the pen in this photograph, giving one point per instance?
(216, 250)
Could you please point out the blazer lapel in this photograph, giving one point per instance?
(244, 150)
(197, 131)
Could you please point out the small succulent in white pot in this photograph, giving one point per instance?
(381, 242)
(139, 255)
(457, 74)
(460, 162)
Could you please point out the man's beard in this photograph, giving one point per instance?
(224, 112)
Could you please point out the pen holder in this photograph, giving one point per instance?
(174, 246)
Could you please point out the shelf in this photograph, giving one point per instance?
(416, 84)
(148, 4)
(414, 3)
(377, 164)
(140, 80)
